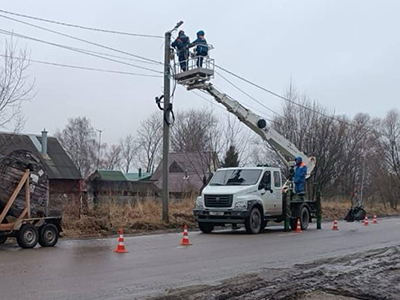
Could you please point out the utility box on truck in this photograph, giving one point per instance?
(24, 192)
(253, 197)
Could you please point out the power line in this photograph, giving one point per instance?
(83, 68)
(81, 40)
(76, 50)
(283, 98)
(248, 95)
(82, 27)
(117, 56)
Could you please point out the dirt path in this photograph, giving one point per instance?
(372, 275)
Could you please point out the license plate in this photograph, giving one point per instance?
(216, 213)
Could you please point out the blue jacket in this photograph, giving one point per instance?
(181, 42)
(202, 48)
(300, 171)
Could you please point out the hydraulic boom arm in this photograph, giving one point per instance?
(285, 149)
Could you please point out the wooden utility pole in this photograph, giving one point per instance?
(167, 121)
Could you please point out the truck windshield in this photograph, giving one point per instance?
(236, 177)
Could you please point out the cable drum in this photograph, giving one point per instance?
(12, 168)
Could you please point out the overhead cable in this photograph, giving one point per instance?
(82, 40)
(82, 27)
(76, 50)
(81, 67)
(245, 93)
(283, 98)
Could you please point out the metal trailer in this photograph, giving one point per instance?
(27, 230)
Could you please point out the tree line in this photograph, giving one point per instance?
(194, 131)
(356, 157)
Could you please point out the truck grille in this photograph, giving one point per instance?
(218, 200)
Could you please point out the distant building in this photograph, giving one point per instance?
(64, 178)
(188, 172)
(109, 185)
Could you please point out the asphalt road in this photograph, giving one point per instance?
(88, 269)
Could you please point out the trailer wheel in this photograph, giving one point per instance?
(253, 222)
(3, 239)
(206, 227)
(27, 236)
(48, 235)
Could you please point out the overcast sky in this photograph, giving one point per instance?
(343, 53)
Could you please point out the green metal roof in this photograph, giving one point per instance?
(111, 175)
(135, 176)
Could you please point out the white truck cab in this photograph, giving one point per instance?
(249, 196)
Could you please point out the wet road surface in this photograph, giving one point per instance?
(88, 269)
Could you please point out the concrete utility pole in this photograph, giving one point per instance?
(166, 121)
(100, 131)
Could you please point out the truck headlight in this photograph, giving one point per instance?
(242, 205)
(199, 204)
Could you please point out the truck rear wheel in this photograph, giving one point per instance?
(253, 222)
(304, 218)
(304, 215)
(3, 239)
(27, 236)
(48, 235)
(206, 227)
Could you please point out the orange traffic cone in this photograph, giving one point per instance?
(121, 246)
(298, 227)
(335, 225)
(375, 220)
(185, 239)
(366, 221)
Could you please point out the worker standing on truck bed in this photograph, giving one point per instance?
(181, 43)
(299, 178)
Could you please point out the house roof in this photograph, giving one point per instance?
(57, 162)
(110, 175)
(186, 171)
(135, 176)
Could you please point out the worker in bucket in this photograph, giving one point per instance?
(201, 48)
(181, 45)
(299, 178)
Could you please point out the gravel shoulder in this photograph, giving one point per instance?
(372, 275)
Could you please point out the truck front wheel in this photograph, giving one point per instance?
(3, 239)
(253, 222)
(206, 227)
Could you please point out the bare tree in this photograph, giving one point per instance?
(112, 157)
(194, 131)
(311, 129)
(15, 88)
(149, 140)
(390, 150)
(198, 134)
(78, 139)
(128, 152)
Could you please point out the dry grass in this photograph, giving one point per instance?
(338, 208)
(145, 216)
(142, 216)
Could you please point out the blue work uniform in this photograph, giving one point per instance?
(181, 45)
(299, 178)
(201, 48)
